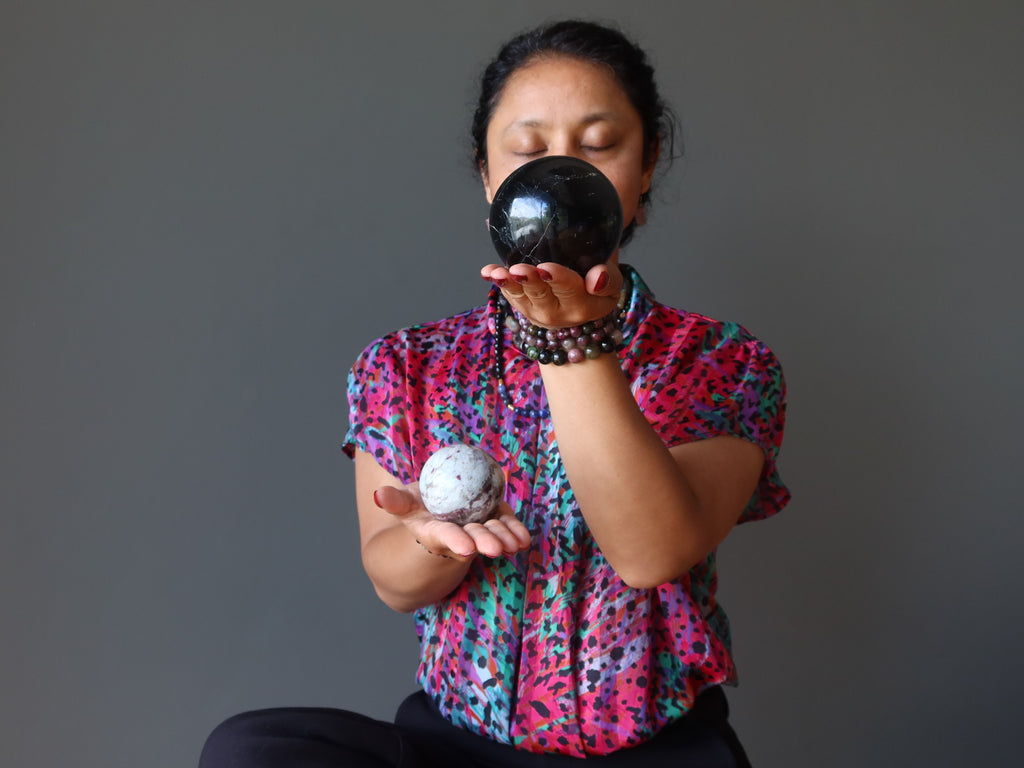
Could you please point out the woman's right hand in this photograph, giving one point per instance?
(502, 534)
(555, 296)
(408, 575)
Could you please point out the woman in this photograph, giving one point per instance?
(581, 621)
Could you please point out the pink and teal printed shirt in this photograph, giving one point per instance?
(549, 650)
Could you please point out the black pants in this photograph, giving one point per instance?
(422, 738)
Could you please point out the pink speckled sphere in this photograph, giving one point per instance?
(462, 484)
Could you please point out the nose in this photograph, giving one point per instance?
(565, 146)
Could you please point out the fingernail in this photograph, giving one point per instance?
(602, 281)
(543, 274)
(520, 278)
(500, 282)
(376, 500)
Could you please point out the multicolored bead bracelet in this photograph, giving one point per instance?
(553, 345)
(574, 344)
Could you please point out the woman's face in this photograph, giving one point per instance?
(565, 106)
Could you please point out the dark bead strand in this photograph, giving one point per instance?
(501, 318)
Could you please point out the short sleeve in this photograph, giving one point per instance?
(377, 407)
(724, 382)
(752, 404)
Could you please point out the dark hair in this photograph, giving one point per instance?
(590, 42)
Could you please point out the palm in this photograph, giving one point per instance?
(502, 534)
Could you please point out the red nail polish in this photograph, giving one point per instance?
(602, 281)
(376, 500)
(544, 275)
(500, 282)
(519, 278)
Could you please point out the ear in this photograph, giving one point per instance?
(650, 163)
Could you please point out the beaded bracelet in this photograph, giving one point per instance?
(568, 345)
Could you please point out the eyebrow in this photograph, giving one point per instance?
(594, 117)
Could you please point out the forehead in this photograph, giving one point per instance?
(554, 87)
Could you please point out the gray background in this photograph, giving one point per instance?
(208, 208)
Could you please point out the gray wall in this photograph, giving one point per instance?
(208, 209)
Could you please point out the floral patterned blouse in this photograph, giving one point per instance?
(549, 650)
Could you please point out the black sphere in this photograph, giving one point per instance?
(558, 209)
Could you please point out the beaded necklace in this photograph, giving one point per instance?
(501, 308)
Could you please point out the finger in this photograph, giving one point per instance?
(510, 285)
(531, 294)
(488, 270)
(486, 542)
(496, 274)
(507, 517)
(459, 543)
(583, 298)
(441, 537)
(604, 280)
(396, 501)
(567, 286)
(517, 529)
(559, 276)
(509, 542)
(531, 282)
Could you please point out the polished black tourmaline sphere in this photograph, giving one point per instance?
(558, 209)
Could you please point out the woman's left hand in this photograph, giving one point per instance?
(501, 534)
(555, 296)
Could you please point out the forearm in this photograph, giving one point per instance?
(637, 502)
(405, 575)
(393, 521)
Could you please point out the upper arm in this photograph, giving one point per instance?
(722, 473)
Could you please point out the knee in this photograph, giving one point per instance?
(270, 738)
(235, 737)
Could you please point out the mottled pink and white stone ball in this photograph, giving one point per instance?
(462, 484)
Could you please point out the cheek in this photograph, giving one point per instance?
(498, 170)
(629, 190)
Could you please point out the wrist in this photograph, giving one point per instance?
(570, 344)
